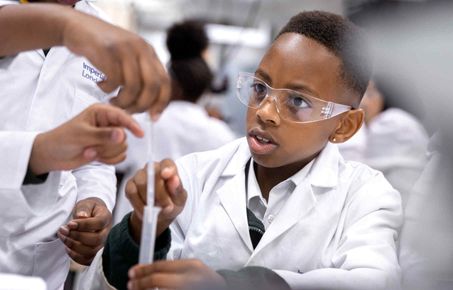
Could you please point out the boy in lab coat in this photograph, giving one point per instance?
(42, 89)
(280, 208)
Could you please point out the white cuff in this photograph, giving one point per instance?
(93, 278)
(15, 148)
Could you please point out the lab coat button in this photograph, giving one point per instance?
(270, 218)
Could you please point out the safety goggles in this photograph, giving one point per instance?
(291, 105)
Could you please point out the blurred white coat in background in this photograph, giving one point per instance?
(183, 128)
(391, 141)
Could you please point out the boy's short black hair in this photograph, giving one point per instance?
(186, 42)
(342, 38)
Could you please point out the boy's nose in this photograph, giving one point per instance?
(268, 111)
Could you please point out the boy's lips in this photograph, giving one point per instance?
(260, 142)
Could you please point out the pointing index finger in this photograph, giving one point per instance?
(117, 117)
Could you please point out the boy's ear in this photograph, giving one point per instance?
(348, 126)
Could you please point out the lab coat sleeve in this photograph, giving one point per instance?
(16, 151)
(16, 147)
(96, 180)
(366, 256)
(93, 278)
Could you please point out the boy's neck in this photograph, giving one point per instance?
(269, 177)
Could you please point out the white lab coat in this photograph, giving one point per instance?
(17, 282)
(337, 230)
(37, 94)
(395, 143)
(182, 128)
(185, 128)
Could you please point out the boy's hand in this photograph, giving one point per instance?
(95, 134)
(169, 195)
(87, 232)
(180, 274)
(125, 58)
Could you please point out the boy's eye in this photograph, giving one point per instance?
(259, 90)
(297, 101)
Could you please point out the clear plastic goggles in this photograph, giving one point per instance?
(291, 105)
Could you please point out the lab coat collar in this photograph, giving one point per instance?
(325, 168)
(323, 171)
(238, 159)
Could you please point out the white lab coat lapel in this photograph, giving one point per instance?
(232, 197)
(232, 194)
(322, 175)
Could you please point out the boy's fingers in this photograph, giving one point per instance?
(162, 198)
(141, 182)
(141, 270)
(178, 193)
(78, 257)
(80, 248)
(158, 280)
(83, 209)
(91, 239)
(91, 224)
(174, 185)
(167, 168)
(134, 198)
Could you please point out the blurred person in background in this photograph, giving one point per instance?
(184, 127)
(392, 141)
(414, 44)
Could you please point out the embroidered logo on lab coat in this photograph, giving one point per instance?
(89, 72)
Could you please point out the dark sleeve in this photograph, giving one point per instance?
(251, 278)
(121, 252)
(31, 178)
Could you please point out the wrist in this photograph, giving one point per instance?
(38, 162)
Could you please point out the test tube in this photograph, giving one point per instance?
(148, 239)
(150, 168)
(151, 212)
